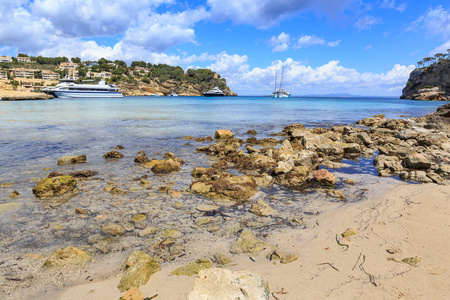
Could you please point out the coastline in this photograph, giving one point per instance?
(7, 95)
(409, 220)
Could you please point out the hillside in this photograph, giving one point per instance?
(430, 83)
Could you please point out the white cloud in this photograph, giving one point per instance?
(281, 42)
(334, 44)
(328, 78)
(308, 40)
(441, 49)
(366, 22)
(391, 4)
(368, 48)
(266, 13)
(281, 47)
(435, 22)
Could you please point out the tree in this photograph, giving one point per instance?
(22, 55)
(419, 64)
(120, 63)
(76, 60)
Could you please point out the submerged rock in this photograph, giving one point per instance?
(67, 160)
(113, 229)
(83, 174)
(113, 154)
(236, 188)
(50, 187)
(261, 208)
(221, 259)
(67, 256)
(350, 232)
(248, 243)
(222, 284)
(138, 268)
(193, 267)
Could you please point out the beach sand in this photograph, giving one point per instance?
(410, 220)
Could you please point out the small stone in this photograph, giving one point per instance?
(138, 268)
(83, 174)
(252, 132)
(144, 182)
(193, 267)
(178, 205)
(149, 230)
(6, 184)
(336, 194)
(350, 232)
(261, 208)
(67, 160)
(113, 154)
(207, 208)
(139, 218)
(80, 211)
(169, 155)
(119, 147)
(324, 177)
(116, 191)
(223, 134)
(221, 259)
(289, 259)
(133, 294)
(204, 221)
(349, 181)
(412, 261)
(15, 194)
(113, 229)
(248, 243)
(67, 256)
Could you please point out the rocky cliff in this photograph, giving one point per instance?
(140, 88)
(431, 83)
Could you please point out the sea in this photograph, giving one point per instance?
(34, 134)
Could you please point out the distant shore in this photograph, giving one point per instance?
(7, 95)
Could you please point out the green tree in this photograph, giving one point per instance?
(76, 60)
(22, 55)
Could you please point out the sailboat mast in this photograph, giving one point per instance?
(276, 74)
(282, 75)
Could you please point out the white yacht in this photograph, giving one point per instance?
(280, 92)
(67, 88)
(215, 92)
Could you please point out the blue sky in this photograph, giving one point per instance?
(327, 46)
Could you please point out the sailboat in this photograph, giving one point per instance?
(280, 92)
(173, 94)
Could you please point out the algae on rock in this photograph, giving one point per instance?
(67, 256)
(138, 269)
(248, 243)
(193, 267)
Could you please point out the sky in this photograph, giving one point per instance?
(327, 46)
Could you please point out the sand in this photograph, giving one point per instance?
(410, 220)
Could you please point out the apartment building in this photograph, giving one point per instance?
(49, 75)
(23, 59)
(3, 75)
(6, 59)
(68, 65)
(23, 73)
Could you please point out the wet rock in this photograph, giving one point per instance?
(204, 220)
(67, 160)
(264, 180)
(116, 191)
(309, 159)
(223, 134)
(350, 232)
(119, 147)
(248, 243)
(113, 229)
(222, 284)
(412, 261)
(284, 167)
(164, 166)
(207, 208)
(144, 182)
(133, 294)
(83, 174)
(138, 268)
(324, 177)
(80, 211)
(333, 164)
(51, 187)
(294, 179)
(261, 208)
(6, 184)
(336, 194)
(349, 181)
(113, 155)
(221, 165)
(236, 188)
(289, 259)
(141, 158)
(14, 194)
(417, 161)
(252, 132)
(193, 267)
(221, 259)
(55, 174)
(386, 165)
(201, 172)
(351, 147)
(67, 256)
(149, 230)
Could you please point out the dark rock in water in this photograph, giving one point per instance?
(164, 166)
(113, 154)
(117, 191)
(236, 188)
(50, 187)
(252, 132)
(55, 174)
(169, 155)
(221, 165)
(141, 158)
(119, 147)
(83, 174)
(67, 160)
(15, 194)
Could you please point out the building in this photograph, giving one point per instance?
(139, 69)
(23, 59)
(23, 73)
(103, 75)
(3, 75)
(49, 75)
(6, 59)
(68, 65)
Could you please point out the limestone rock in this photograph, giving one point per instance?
(133, 294)
(207, 208)
(138, 269)
(324, 177)
(67, 256)
(193, 267)
(113, 154)
(165, 166)
(261, 208)
(116, 191)
(223, 134)
(221, 259)
(113, 229)
(350, 232)
(67, 160)
(50, 187)
(417, 161)
(248, 243)
(83, 174)
(236, 188)
(223, 284)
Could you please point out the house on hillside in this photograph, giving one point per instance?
(23, 73)
(6, 59)
(23, 59)
(3, 75)
(49, 75)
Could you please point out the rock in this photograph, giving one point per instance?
(284, 167)
(207, 208)
(324, 177)
(149, 230)
(199, 172)
(286, 148)
(252, 132)
(116, 191)
(236, 188)
(6, 184)
(138, 269)
(80, 211)
(113, 155)
(223, 284)
(113, 229)
(223, 134)
(50, 187)
(119, 147)
(55, 174)
(349, 181)
(133, 294)
(141, 159)
(412, 261)
(204, 220)
(165, 166)
(351, 147)
(14, 194)
(261, 208)
(83, 174)
(333, 165)
(67, 256)
(370, 121)
(248, 243)
(417, 161)
(294, 179)
(264, 180)
(221, 259)
(144, 182)
(139, 218)
(193, 267)
(309, 159)
(365, 138)
(350, 232)
(336, 194)
(67, 160)
(289, 259)
(390, 163)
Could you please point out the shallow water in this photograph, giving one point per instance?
(34, 134)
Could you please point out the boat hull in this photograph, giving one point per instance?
(281, 96)
(212, 95)
(87, 94)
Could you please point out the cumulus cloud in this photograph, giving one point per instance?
(334, 44)
(366, 22)
(284, 40)
(266, 13)
(308, 40)
(281, 42)
(435, 22)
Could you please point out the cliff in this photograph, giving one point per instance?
(140, 88)
(431, 83)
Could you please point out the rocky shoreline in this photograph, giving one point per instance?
(23, 96)
(234, 212)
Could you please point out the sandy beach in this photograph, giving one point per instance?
(408, 221)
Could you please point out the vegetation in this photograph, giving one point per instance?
(438, 57)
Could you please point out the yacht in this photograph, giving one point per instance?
(280, 92)
(67, 88)
(215, 92)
